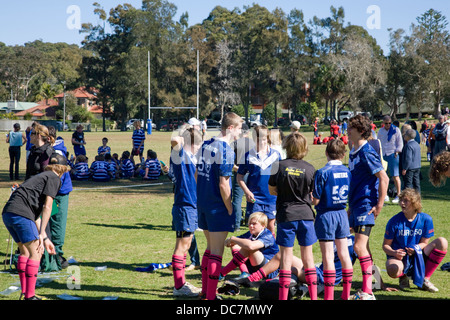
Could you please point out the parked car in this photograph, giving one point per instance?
(59, 125)
(210, 123)
(301, 118)
(131, 121)
(367, 114)
(345, 115)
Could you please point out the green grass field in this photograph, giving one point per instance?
(127, 224)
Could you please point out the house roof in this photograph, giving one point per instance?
(96, 109)
(19, 106)
(39, 109)
(80, 92)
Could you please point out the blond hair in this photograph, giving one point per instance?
(59, 169)
(44, 133)
(260, 217)
(296, 146)
(413, 196)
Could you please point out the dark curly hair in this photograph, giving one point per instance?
(362, 125)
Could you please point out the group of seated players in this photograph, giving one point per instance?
(107, 166)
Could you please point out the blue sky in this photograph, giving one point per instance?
(29, 20)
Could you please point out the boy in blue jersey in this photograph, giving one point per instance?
(126, 166)
(184, 210)
(215, 211)
(331, 186)
(368, 188)
(78, 141)
(104, 148)
(100, 170)
(255, 248)
(292, 183)
(152, 167)
(81, 170)
(407, 244)
(138, 138)
(113, 167)
(257, 163)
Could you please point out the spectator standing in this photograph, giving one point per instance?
(295, 126)
(78, 141)
(240, 146)
(138, 140)
(16, 139)
(411, 161)
(440, 135)
(392, 144)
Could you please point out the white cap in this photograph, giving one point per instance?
(295, 125)
(194, 122)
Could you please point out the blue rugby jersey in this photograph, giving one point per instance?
(138, 136)
(112, 167)
(259, 173)
(127, 168)
(331, 187)
(270, 248)
(406, 234)
(103, 149)
(183, 166)
(214, 159)
(82, 171)
(154, 168)
(100, 171)
(364, 163)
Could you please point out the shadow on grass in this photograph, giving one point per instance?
(138, 226)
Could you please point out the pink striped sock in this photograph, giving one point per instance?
(237, 261)
(178, 271)
(347, 276)
(214, 267)
(436, 256)
(21, 269)
(204, 268)
(329, 277)
(257, 275)
(311, 280)
(31, 274)
(284, 280)
(366, 270)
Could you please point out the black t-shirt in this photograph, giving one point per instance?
(78, 136)
(294, 181)
(28, 200)
(38, 159)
